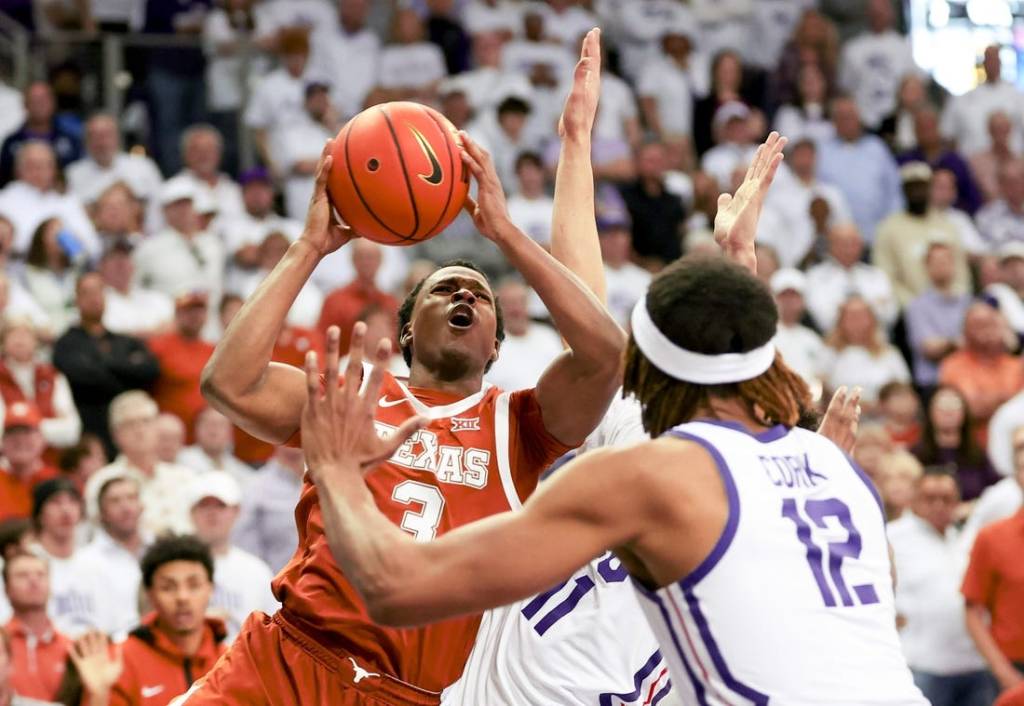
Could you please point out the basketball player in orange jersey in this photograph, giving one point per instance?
(480, 453)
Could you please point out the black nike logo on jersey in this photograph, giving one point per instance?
(436, 176)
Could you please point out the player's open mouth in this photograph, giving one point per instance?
(461, 316)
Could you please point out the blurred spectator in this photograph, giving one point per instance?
(566, 21)
(12, 109)
(935, 317)
(40, 126)
(1006, 289)
(14, 300)
(273, 15)
(861, 166)
(734, 146)
(988, 163)
(802, 348)
(625, 281)
(212, 449)
(995, 603)
(117, 545)
(966, 118)
(52, 265)
(80, 461)
(277, 98)
(530, 207)
(507, 136)
(726, 87)
(943, 199)
(454, 103)
(528, 347)
(535, 52)
(34, 197)
(900, 409)
(99, 364)
(932, 150)
(723, 23)
(177, 643)
(445, 30)
(1002, 221)
(898, 127)
(489, 82)
(202, 148)
(38, 651)
(1000, 500)
(266, 525)
(949, 441)
(348, 47)
(343, 306)
(767, 261)
(301, 142)
(806, 117)
(772, 25)
(899, 472)
(861, 355)
(844, 274)
(162, 485)
(177, 95)
(657, 215)
(499, 16)
(669, 84)
(616, 129)
(241, 581)
(982, 369)
(106, 163)
(814, 41)
(182, 354)
(118, 215)
(873, 63)
(638, 27)
(927, 559)
(903, 238)
(410, 67)
(181, 256)
(22, 467)
(131, 310)
(170, 432)
(308, 302)
(24, 378)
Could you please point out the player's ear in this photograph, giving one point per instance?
(497, 349)
(405, 339)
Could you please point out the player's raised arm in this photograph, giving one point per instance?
(262, 397)
(488, 563)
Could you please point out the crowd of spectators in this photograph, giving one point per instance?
(892, 240)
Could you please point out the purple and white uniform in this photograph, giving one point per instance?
(794, 606)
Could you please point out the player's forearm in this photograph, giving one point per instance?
(587, 327)
(977, 627)
(574, 239)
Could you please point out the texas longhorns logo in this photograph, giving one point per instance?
(436, 176)
(360, 672)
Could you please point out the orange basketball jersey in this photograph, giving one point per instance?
(477, 456)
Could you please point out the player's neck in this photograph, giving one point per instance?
(731, 410)
(464, 386)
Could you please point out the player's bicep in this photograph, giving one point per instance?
(572, 402)
(271, 411)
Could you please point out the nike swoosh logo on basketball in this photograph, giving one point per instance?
(385, 402)
(149, 692)
(436, 176)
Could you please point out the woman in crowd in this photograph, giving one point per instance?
(898, 472)
(806, 117)
(52, 265)
(726, 86)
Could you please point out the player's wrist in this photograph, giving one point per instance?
(305, 247)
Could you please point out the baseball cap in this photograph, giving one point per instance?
(788, 278)
(214, 484)
(314, 85)
(22, 415)
(731, 110)
(255, 174)
(191, 297)
(119, 245)
(177, 188)
(610, 217)
(915, 171)
(1011, 250)
(44, 491)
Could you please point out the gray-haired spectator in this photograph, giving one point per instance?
(40, 125)
(202, 149)
(266, 526)
(988, 163)
(965, 118)
(106, 163)
(1008, 289)
(212, 451)
(170, 432)
(1002, 221)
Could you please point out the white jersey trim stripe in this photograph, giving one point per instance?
(448, 410)
(501, 448)
(695, 683)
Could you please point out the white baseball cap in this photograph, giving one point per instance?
(214, 484)
(179, 188)
(788, 278)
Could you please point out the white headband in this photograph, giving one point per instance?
(696, 367)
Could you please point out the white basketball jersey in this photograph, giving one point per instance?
(794, 606)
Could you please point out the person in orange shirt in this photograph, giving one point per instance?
(982, 369)
(22, 467)
(343, 306)
(182, 353)
(38, 652)
(173, 647)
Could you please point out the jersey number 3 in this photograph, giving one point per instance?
(420, 524)
(818, 511)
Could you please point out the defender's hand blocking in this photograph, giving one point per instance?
(489, 210)
(577, 120)
(98, 666)
(338, 434)
(736, 220)
(323, 230)
(841, 419)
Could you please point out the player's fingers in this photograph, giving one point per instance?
(354, 371)
(380, 364)
(323, 167)
(312, 381)
(333, 356)
(470, 205)
(723, 201)
(119, 653)
(475, 168)
(594, 40)
(400, 436)
(752, 167)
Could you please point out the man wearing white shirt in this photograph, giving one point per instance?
(843, 275)
(214, 434)
(33, 198)
(724, 24)
(15, 301)
(131, 310)
(298, 147)
(536, 51)
(347, 47)
(1002, 221)
(107, 164)
(274, 15)
(874, 63)
(639, 27)
(530, 207)
(202, 149)
(943, 198)
(930, 561)
(965, 118)
(410, 67)
(181, 256)
(491, 16)
(489, 83)
(506, 136)
(669, 84)
(116, 548)
(802, 348)
(241, 582)
(528, 348)
(734, 147)
(625, 281)
(566, 21)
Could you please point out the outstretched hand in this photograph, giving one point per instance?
(577, 120)
(738, 214)
(323, 230)
(841, 419)
(489, 210)
(338, 434)
(98, 666)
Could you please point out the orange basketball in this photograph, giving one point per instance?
(397, 176)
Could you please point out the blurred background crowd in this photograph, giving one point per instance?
(157, 158)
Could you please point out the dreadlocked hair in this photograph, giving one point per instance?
(712, 306)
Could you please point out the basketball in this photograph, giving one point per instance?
(397, 177)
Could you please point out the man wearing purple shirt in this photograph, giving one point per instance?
(931, 149)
